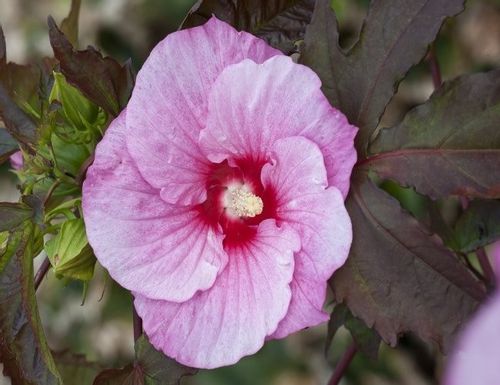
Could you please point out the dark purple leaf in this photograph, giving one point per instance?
(101, 79)
(19, 86)
(367, 340)
(23, 349)
(151, 367)
(281, 23)
(394, 37)
(17, 123)
(129, 375)
(399, 277)
(13, 214)
(449, 145)
(8, 145)
(158, 368)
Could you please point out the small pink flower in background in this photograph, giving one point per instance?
(16, 160)
(493, 252)
(476, 357)
(217, 197)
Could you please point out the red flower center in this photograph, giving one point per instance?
(245, 175)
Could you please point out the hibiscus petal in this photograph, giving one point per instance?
(147, 245)
(475, 358)
(169, 105)
(219, 326)
(297, 175)
(251, 105)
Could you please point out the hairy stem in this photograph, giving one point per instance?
(343, 364)
(42, 272)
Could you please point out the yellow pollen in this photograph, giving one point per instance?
(242, 203)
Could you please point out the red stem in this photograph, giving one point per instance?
(434, 67)
(488, 272)
(343, 364)
(137, 324)
(42, 271)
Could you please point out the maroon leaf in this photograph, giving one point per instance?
(8, 145)
(449, 145)
(398, 277)
(13, 214)
(19, 90)
(281, 23)
(101, 79)
(129, 375)
(394, 37)
(367, 340)
(23, 349)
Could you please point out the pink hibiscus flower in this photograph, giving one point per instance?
(476, 357)
(217, 197)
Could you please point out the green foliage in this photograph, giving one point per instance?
(81, 120)
(69, 26)
(281, 23)
(23, 350)
(362, 81)
(70, 253)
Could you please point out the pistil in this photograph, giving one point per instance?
(239, 201)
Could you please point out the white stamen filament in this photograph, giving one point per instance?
(240, 202)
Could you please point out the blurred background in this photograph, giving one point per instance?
(101, 328)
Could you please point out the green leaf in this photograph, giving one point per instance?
(8, 145)
(101, 79)
(448, 145)
(13, 215)
(281, 23)
(76, 108)
(69, 26)
(158, 368)
(23, 349)
(367, 340)
(399, 277)
(479, 225)
(129, 375)
(362, 81)
(70, 253)
(75, 369)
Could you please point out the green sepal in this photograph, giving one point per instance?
(69, 252)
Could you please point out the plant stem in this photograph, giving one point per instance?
(488, 272)
(137, 324)
(434, 67)
(51, 191)
(42, 272)
(343, 364)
